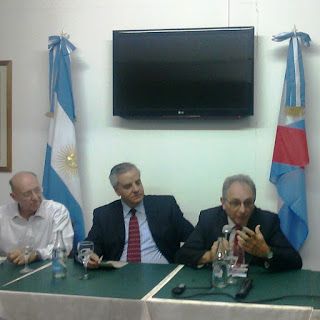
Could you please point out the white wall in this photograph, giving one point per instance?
(188, 159)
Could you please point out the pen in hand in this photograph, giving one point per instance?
(100, 259)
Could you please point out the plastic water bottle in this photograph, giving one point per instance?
(220, 267)
(59, 257)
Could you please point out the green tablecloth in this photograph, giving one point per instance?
(266, 285)
(119, 292)
(9, 271)
(133, 281)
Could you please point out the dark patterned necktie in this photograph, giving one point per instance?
(237, 250)
(134, 249)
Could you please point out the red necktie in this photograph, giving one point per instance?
(237, 250)
(134, 249)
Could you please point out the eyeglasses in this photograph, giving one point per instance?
(236, 204)
(29, 194)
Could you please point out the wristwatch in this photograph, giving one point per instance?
(269, 255)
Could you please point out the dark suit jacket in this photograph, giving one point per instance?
(165, 219)
(209, 228)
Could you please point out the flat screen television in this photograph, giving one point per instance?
(183, 73)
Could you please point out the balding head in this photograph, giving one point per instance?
(26, 191)
(20, 176)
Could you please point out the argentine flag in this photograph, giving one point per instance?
(61, 181)
(290, 154)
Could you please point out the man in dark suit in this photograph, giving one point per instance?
(260, 236)
(161, 223)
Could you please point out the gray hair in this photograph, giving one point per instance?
(238, 178)
(119, 169)
(11, 181)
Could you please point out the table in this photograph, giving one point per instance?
(143, 291)
(133, 281)
(9, 272)
(265, 285)
(115, 293)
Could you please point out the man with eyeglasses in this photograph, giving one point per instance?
(33, 215)
(258, 231)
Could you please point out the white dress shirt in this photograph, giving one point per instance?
(50, 217)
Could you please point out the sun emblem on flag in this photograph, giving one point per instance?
(67, 160)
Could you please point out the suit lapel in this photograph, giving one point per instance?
(222, 221)
(151, 214)
(253, 220)
(119, 221)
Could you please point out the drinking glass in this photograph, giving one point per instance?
(27, 244)
(85, 249)
(232, 258)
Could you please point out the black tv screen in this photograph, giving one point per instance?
(183, 73)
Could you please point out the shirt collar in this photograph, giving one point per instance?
(15, 212)
(126, 209)
(231, 223)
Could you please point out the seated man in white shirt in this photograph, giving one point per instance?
(30, 213)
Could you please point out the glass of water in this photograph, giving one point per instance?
(232, 259)
(85, 249)
(27, 244)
